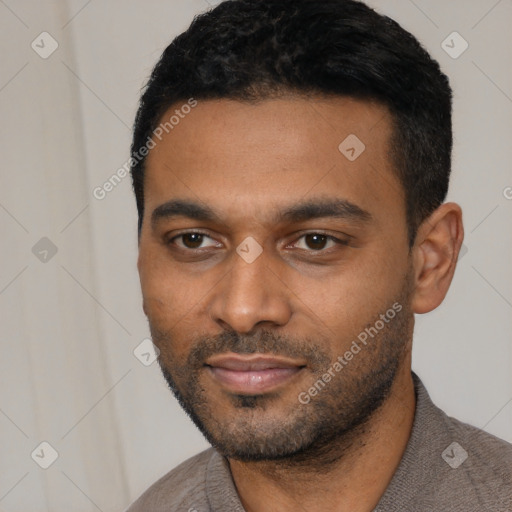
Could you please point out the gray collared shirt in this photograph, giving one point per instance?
(447, 466)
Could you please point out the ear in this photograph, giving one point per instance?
(435, 254)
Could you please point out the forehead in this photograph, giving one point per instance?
(247, 158)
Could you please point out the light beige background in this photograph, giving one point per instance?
(69, 326)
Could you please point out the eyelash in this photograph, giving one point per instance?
(319, 251)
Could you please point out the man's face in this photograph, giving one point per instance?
(265, 252)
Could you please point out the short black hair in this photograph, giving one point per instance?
(251, 50)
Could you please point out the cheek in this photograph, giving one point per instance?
(359, 293)
(170, 321)
(172, 303)
(161, 288)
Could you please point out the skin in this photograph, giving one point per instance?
(248, 162)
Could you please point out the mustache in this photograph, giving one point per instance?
(264, 342)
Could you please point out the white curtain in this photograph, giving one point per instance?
(70, 303)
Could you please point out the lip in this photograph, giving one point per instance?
(252, 374)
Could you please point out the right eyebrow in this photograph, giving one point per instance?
(183, 208)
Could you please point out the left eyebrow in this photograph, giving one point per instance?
(336, 208)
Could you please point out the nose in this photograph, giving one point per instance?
(250, 295)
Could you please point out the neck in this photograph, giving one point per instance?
(353, 477)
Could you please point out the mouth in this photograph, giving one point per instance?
(252, 374)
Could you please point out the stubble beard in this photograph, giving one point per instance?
(261, 428)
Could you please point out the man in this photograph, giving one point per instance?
(291, 159)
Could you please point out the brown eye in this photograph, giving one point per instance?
(316, 241)
(192, 240)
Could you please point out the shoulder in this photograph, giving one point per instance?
(480, 463)
(449, 465)
(183, 488)
(469, 468)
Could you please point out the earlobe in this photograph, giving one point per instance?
(435, 256)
